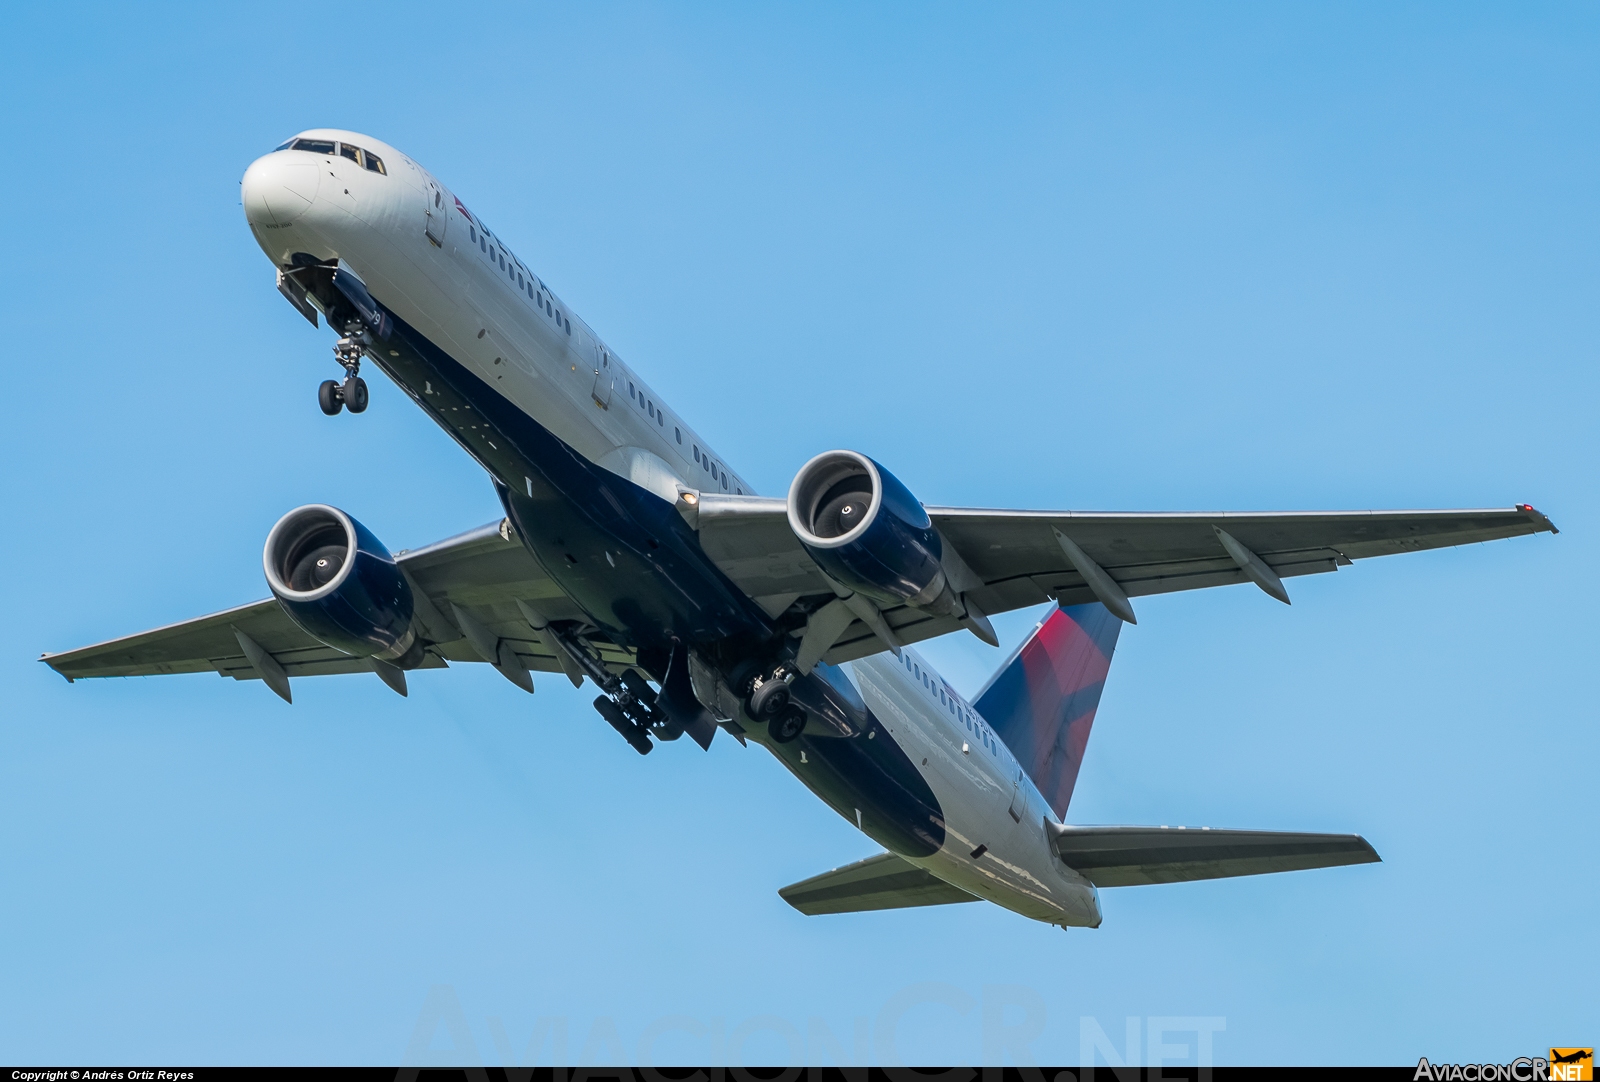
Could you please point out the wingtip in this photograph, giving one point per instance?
(1540, 519)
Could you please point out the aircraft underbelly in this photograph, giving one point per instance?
(623, 554)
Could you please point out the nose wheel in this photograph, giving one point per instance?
(352, 393)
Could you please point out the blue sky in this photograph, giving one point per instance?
(1110, 257)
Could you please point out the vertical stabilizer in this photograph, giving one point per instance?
(1042, 701)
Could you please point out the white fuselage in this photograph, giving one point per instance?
(424, 257)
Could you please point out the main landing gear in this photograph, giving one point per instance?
(769, 701)
(352, 393)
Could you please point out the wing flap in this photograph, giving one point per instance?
(881, 882)
(1119, 856)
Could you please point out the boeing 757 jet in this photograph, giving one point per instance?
(633, 555)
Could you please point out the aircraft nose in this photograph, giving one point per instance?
(280, 187)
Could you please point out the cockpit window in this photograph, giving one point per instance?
(285, 145)
(371, 162)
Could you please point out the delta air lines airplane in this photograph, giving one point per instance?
(633, 555)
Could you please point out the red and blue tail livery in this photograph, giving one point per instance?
(1042, 702)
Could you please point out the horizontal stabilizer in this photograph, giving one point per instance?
(881, 882)
(1130, 856)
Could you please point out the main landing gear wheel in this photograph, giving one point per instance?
(790, 723)
(329, 398)
(354, 393)
(636, 735)
(768, 698)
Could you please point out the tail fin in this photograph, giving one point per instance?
(1043, 699)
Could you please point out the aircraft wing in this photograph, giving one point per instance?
(881, 882)
(1130, 856)
(483, 572)
(1017, 558)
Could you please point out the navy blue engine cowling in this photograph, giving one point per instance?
(341, 586)
(865, 529)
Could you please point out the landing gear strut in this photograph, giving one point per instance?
(629, 703)
(352, 393)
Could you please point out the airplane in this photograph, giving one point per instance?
(632, 555)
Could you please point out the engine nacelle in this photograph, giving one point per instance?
(341, 586)
(865, 529)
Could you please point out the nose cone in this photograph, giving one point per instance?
(279, 188)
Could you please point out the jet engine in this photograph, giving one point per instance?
(865, 529)
(341, 586)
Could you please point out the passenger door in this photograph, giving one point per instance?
(438, 213)
(605, 377)
(1019, 800)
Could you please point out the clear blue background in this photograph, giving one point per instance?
(1109, 257)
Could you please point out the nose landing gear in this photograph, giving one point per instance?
(352, 393)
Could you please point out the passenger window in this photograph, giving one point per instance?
(677, 433)
(520, 283)
(473, 232)
(696, 447)
(705, 463)
(315, 146)
(724, 482)
(661, 419)
(630, 388)
(374, 163)
(569, 328)
(650, 407)
(350, 152)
